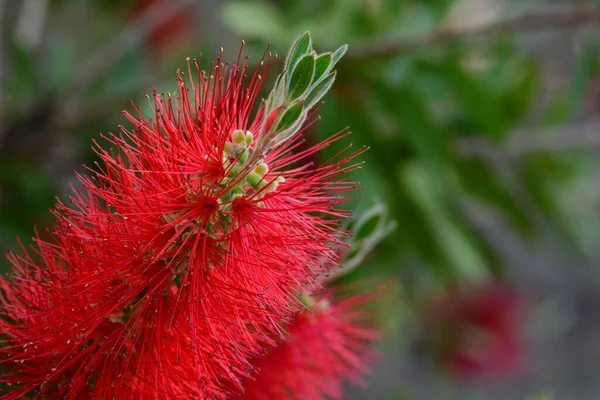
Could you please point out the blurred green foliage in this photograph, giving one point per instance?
(417, 109)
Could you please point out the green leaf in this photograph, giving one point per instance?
(519, 95)
(124, 77)
(586, 70)
(370, 229)
(478, 100)
(322, 64)
(477, 179)
(61, 61)
(301, 77)
(319, 90)
(302, 46)
(543, 395)
(425, 187)
(557, 111)
(24, 79)
(338, 54)
(290, 116)
(366, 225)
(417, 124)
(258, 20)
(277, 95)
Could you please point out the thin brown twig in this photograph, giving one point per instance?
(528, 22)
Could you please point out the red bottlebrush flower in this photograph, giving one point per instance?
(325, 346)
(479, 331)
(183, 254)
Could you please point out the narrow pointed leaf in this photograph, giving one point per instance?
(322, 65)
(319, 90)
(290, 116)
(338, 54)
(301, 47)
(285, 135)
(301, 77)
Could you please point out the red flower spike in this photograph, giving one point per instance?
(179, 260)
(479, 331)
(325, 346)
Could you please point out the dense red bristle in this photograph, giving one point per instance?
(324, 347)
(154, 283)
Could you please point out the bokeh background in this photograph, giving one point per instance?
(480, 211)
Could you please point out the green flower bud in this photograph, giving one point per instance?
(271, 187)
(235, 170)
(249, 138)
(254, 179)
(238, 136)
(261, 169)
(237, 193)
(308, 301)
(227, 149)
(244, 156)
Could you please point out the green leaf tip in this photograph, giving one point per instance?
(306, 78)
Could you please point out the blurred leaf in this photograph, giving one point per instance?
(415, 19)
(25, 198)
(123, 78)
(257, 20)
(479, 180)
(414, 121)
(588, 67)
(479, 101)
(441, 7)
(518, 96)
(543, 395)
(558, 111)
(541, 173)
(426, 188)
(61, 61)
(368, 230)
(23, 79)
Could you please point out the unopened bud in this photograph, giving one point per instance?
(249, 138)
(235, 170)
(261, 169)
(238, 136)
(271, 187)
(237, 193)
(254, 179)
(244, 156)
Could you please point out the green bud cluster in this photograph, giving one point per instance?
(253, 183)
(237, 150)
